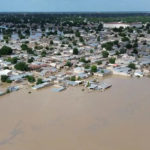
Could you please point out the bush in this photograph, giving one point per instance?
(12, 60)
(43, 54)
(93, 68)
(99, 62)
(4, 78)
(108, 46)
(5, 50)
(9, 81)
(87, 66)
(24, 47)
(69, 64)
(22, 66)
(39, 81)
(73, 78)
(75, 51)
(105, 54)
(31, 79)
(132, 66)
(30, 60)
(112, 60)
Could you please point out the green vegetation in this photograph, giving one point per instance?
(5, 50)
(22, 66)
(4, 78)
(30, 60)
(99, 62)
(73, 78)
(39, 81)
(75, 51)
(69, 64)
(93, 68)
(25, 47)
(108, 46)
(105, 54)
(87, 66)
(112, 60)
(132, 66)
(12, 60)
(43, 53)
(31, 79)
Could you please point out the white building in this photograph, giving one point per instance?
(115, 25)
(5, 72)
(78, 70)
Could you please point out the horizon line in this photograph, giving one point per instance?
(75, 11)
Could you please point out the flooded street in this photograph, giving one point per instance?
(117, 119)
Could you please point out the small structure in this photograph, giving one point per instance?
(138, 73)
(116, 25)
(72, 83)
(39, 86)
(13, 88)
(102, 72)
(5, 72)
(2, 93)
(104, 86)
(58, 88)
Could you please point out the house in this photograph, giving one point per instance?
(116, 25)
(78, 70)
(125, 71)
(104, 86)
(39, 86)
(102, 72)
(72, 83)
(82, 75)
(58, 88)
(13, 88)
(5, 72)
(138, 73)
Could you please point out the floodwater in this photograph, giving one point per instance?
(117, 119)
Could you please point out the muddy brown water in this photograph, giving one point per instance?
(117, 119)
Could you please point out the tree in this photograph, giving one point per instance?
(69, 64)
(99, 62)
(98, 38)
(14, 60)
(5, 50)
(135, 51)
(43, 53)
(77, 34)
(108, 45)
(24, 46)
(91, 51)
(31, 79)
(132, 66)
(51, 42)
(75, 51)
(105, 54)
(87, 66)
(4, 78)
(30, 60)
(125, 39)
(112, 60)
(129, 46)
(93, 68)
(39, 81)
(73, 78)
(22, 66)
(81, 39)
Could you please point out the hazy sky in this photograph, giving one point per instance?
(74, 5)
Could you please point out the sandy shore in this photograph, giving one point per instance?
(117, 119)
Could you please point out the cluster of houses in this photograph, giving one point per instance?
(62, 67)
